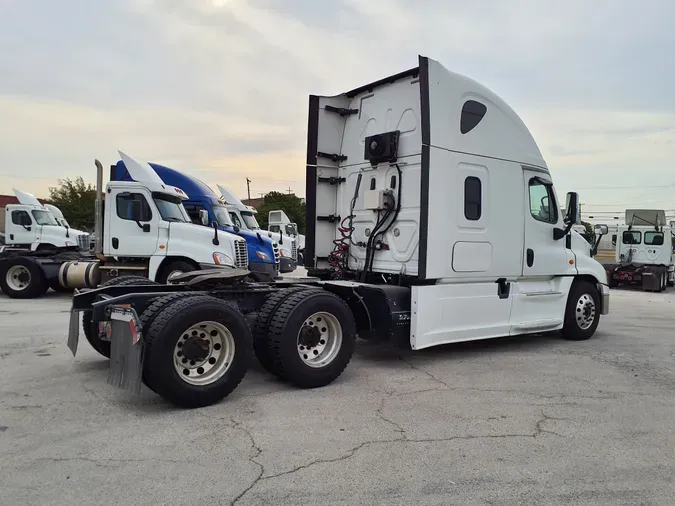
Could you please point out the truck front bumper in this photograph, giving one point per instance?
(287, 265)
(604, 293)
(265, 268)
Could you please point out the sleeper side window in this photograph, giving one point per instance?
(125, 205)
(542, 202)
(472, 114)
(473, 198)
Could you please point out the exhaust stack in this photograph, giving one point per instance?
(98, 209)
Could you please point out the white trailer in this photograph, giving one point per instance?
(144, 230)
(243, 217)
(431, 218)
(643, 251)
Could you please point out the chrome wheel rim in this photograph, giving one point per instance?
(173, 274)
(204, 353)
(585, 311)
(18, 278)
(319, 339)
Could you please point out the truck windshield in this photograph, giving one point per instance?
(249, 219)
(170, 208)
(222, 216)
(44, 218)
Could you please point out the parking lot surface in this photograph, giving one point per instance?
(525, 420)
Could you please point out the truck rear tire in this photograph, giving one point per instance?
(148, 316)
(22, 278)
(91, 330)
(582, 314)
(311, 338)
(262, 326)
(197, 351)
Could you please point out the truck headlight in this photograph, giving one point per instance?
(222, 259)
(285, 253)
(69, 243)
(262, 256)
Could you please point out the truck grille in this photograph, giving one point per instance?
(240, 254)
(294, 250)
(83, 242)
(277, 255)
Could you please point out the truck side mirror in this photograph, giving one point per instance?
(25, 220)
(204, 217)
(601, 230)
(572, 206)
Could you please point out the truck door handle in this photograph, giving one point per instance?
(530, 257)
(115, 242)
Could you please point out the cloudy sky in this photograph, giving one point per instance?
(219, 87)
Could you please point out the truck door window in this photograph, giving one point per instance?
(20, 217)
(472, 198)
(250, 221)
(193, 213)
(125, 203)
(631, 237)
(654, 238)
(542, 202)
(235, 220)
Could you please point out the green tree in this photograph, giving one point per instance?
(76, 200)
(590, 232)
(290, 204)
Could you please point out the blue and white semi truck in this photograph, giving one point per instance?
(204, 207)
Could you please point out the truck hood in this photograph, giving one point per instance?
(253, 236)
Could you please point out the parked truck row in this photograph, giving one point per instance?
(41, 250)
(496, 257)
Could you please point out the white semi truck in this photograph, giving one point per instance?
(431, 218)
(243, 217)
(278, 221)
(29, 225)
(644, 251)
(143, 230)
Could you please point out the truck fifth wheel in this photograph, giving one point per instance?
(495, 258)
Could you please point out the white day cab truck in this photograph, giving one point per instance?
(30, 225)
(278, 221)
(243, 217)
(495, 257)
(142, 230)
(644, 252)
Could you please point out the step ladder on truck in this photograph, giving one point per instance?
(495, 257)
(142, 230)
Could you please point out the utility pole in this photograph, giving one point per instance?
(248, 187)
(289, 190)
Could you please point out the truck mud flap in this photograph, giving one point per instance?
(126, 350)
(74, 331)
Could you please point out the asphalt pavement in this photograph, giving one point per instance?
(526, 420)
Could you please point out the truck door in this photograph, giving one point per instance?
(22, 228)
(543, 256)
(131, 229)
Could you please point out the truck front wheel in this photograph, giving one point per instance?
(23, 279)
(311, 338)
(197, 351)
(582, 313)
(174, 269)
